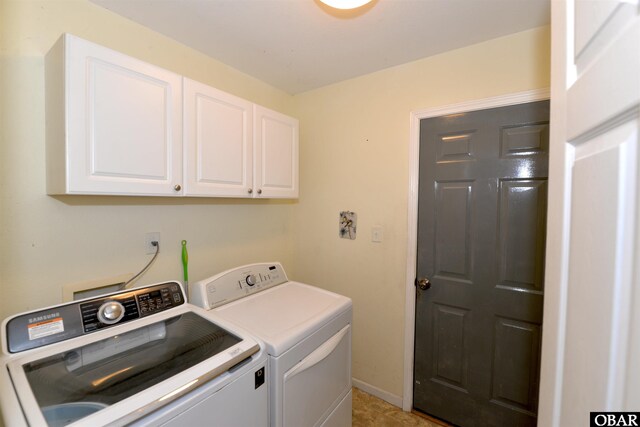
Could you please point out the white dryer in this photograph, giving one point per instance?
(307, 333)
(138, 357)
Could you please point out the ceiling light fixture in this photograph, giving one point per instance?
(345, 4)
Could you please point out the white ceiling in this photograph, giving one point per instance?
(298, 45)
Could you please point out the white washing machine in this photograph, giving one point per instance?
(307, 332)
(138, 357)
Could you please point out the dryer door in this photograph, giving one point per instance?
(318, 383)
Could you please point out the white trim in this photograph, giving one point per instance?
(412, 222)
(375, 391)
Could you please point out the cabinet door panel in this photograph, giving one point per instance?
(218, 142)
(123, 123)
(276, 154)
(117, 125)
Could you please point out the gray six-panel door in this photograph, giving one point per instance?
(481, 239)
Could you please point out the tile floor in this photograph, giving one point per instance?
(368, 411)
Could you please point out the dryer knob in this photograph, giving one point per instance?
(110, 312)
(251, 280)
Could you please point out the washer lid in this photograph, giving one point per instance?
(121, 374)
(285, 314)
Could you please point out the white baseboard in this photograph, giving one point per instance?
(375, 391)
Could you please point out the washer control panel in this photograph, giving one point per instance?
(59, 323)
(103, 312)
(236, 283)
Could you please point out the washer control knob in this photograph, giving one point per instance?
(251, 280)
(110, 312)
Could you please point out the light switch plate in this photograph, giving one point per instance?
(377, 234)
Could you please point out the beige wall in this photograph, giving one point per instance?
(354, 156)
(46, 242)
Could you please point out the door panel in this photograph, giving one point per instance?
(453, 230)
(451, 355)
(516, 351)
(592, 344)
(525, 141)
(599, 277)
(521, 234)
(481, 228)
(455, 147)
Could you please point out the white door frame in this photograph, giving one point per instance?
(412, 223)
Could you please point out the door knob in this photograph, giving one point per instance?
(423, 283)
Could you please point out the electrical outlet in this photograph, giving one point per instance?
(151, 237)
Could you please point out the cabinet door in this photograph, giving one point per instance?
(275, 154)
(218, 142)
(121, 130)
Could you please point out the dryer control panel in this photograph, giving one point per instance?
(66, 321)
(236, 283)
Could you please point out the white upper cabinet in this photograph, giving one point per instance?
(114, 123)
(234, 148)
(218, 140)
(275, 154)
(120, 126)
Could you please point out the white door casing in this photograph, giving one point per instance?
(591, 339)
